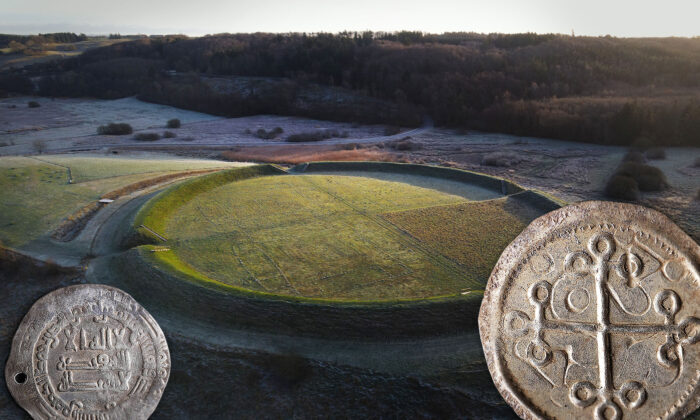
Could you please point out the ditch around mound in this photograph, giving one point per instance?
(332, 240)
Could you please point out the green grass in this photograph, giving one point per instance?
(473, 234)
(89, 168)
(157, 211)
(36, 195)
(316, 236)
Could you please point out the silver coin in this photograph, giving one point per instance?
(88, 352)
(594, 312)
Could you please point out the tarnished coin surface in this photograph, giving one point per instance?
(593, 312)
(88, 352)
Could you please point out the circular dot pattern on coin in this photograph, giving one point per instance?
(593, 312)
(88, 352)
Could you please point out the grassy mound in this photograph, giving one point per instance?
(324, 236)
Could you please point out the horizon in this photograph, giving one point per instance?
(311, 33)
(622, 19)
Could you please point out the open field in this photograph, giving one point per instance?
(35, 197)
(323, 236)
(62, 123)
(86, 167)
(36, 194)
(71, 124)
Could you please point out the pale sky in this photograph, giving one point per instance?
(623, 18)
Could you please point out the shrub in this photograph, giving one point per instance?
(349, 146)
(634, 156)
(622, 188)
(648, 178)
(309, 136)
(656, 153)
(115, 129)
(169, 135)
(404, 145)
(261, 133)
(313, 136)
(147, 136)
(33, 104)
(500, 159)
(173, 123)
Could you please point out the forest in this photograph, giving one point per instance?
(57, 37)
(591, 89)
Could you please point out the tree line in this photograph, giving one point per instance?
(594, 89)
(57, 37)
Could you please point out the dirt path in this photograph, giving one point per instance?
(69, 174)
(85, 244)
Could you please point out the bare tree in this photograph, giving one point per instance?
(39, 146)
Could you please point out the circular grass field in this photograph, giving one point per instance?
(350, 235)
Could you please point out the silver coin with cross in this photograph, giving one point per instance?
(593, 311)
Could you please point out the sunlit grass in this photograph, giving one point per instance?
(312, 236)
(36, 195)
(88, 168)
(472, 234)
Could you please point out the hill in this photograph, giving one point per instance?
(592, 89)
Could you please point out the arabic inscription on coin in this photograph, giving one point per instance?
(88, 352)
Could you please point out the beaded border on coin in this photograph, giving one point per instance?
(598, 251)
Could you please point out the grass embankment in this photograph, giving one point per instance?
(167, 289)
(319, 236)
(156, 212)
(36, 195)
(71, 226)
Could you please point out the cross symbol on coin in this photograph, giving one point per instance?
(632, 394)
(595, 317)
